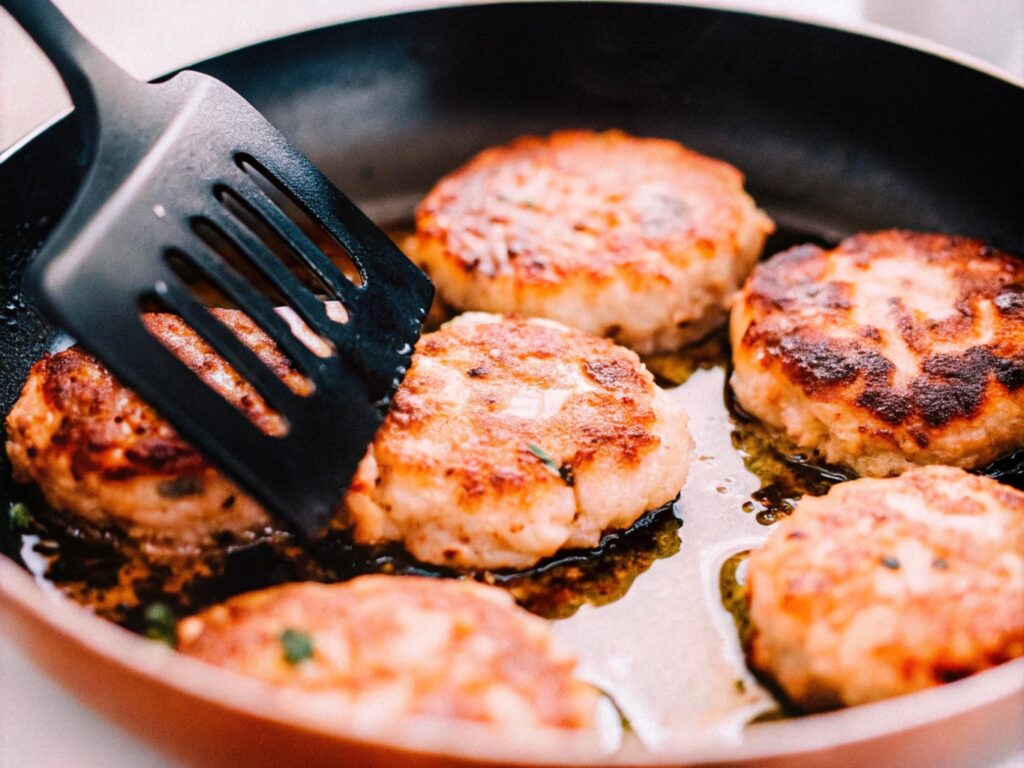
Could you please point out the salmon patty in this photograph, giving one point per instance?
(510, 439)
(399, 646)
(891, 350)
(106, 459)
(887, 586)
(641, 240)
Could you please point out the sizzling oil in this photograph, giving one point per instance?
(105, 574)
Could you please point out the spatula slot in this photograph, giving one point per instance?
(272, 280)
(323, 240)
(274, 242)
(214, 283)
(199, 285)
(251, 386)
(212, 235)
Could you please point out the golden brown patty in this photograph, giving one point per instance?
(641, 240)
(887, 586)
(890, 350)
(108, 460)
(399, 645)
(511, 439)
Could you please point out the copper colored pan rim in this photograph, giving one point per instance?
(23, 602)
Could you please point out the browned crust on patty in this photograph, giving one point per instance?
(109, 463)
(108, 430)
(908, 372)
(595, 167)
(639, 239)
(949, 386)
(104, 428)
(612, 421)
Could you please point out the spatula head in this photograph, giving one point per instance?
(176, 187)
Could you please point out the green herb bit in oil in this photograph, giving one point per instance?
(161, 624)
(20, 516)
(296, 646)
(180, 487)
(891, 562)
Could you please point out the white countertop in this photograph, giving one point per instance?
(40, 725)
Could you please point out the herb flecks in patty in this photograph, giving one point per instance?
(565, 471)
(296, 646)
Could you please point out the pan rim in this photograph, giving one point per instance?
(444, 738)
(863, 28)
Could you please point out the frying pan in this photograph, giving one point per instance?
(837, 132)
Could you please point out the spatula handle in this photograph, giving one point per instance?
(84, 68)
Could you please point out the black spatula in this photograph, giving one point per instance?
(170, 162)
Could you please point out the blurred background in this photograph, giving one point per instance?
(149, 37)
